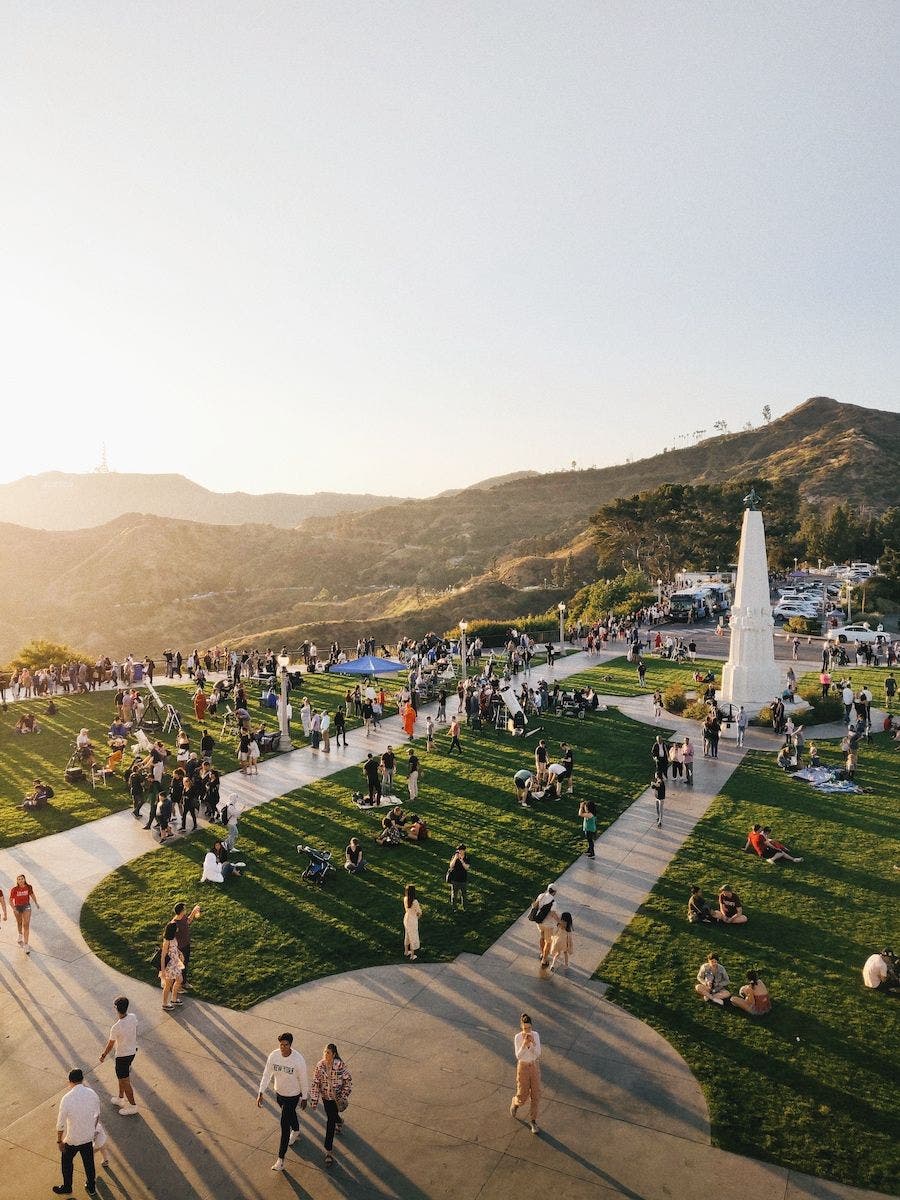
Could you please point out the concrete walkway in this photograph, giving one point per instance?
(429, 1045)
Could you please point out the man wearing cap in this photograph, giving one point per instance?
(548, 923)
(458, 876)
(527, 1045)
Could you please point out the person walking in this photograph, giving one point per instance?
(587, 810)
(454, 736)
(340, 726)
(21, 897)
(660, 755)
(527, 1047)
(325, 729)
(123, 1039)
(287, 1067)
(388, 764)
(412, 774)
(659, 789)
(76, 1125)
(332, 1084)
(563, 943)
(568, 761)
(412, 910)
(546, 914)
(458, 876)
(370, 769)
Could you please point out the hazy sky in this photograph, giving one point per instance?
(400, 247)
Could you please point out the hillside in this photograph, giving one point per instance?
(56, 500)
(141, 581)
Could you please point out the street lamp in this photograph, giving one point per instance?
(284, 661)
(562, 625)
(463, 626)
(659, 592)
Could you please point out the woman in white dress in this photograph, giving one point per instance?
(412, 910)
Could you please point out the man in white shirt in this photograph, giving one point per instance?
(287, 1067)
(76, 1124)
(527, 1045)
(123, 1036)
(548, 922)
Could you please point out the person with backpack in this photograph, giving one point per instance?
(545, 914)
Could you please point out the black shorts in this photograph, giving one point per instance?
(123, 1066)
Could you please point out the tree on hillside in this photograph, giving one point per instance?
(767, 413)
(838, 535)
(40, 653)
(676, 526)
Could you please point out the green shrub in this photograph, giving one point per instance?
(696, 710)
(764, 716)
(495, 633)
(674, 699)
(805, 625)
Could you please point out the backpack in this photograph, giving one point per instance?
(539, 914)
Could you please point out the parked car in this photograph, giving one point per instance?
(794, 608)
(859, 631)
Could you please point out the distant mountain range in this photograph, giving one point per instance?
(56, 500)
(138, 582)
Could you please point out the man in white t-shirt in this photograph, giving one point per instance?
(548, 923)
(287, 1067)
(123, 1036)
(76, 1125)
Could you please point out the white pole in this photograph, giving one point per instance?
(462, 647)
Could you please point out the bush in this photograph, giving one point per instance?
(496, 633)
(674, 699)
(764, 716)
(823, 711)
(805, 625)
(696, 710)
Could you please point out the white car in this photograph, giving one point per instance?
(860, 631)
(794, 608)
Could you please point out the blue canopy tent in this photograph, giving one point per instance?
(368, 665)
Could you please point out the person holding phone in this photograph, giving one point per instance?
(527, 1046)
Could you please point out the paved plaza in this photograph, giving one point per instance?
(429, 1045)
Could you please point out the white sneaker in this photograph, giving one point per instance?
(278, 1164)
(128, 1110)
(534, 1128)
(21, 942)
(294, 1135)
(117, 1099)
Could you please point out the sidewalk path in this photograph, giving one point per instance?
(430, 1046)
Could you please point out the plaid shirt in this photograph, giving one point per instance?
(330, 1083)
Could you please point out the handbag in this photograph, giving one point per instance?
(155, 959)
(342, 1105)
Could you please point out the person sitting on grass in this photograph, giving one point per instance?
(217, 868)
(712, 980)
(39, 796)
(698, 911)
(880, 972)
(354, 862)
(390, 833)
(759, 842)
(753, 997)
(398, 816)
(787, 758)
(26, 724)
(730, 910)
(418, 829)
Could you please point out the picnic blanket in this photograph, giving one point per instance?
(815, 775)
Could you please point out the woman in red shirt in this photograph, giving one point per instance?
(22, 897)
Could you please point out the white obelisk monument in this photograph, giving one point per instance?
(751, 676)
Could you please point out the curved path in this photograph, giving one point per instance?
(430, 1046)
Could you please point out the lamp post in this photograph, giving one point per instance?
(562, 625)
(284, 662)
(463, 626)
(659, 592)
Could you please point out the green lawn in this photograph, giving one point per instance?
(45, 755)
(813, 1086)
(271, 931)
(871, 677)
(618, 677)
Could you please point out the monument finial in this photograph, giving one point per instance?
(751, 500)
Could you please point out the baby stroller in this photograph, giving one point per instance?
(319, 864)
(74, 772)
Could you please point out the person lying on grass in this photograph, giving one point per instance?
(770, 851)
